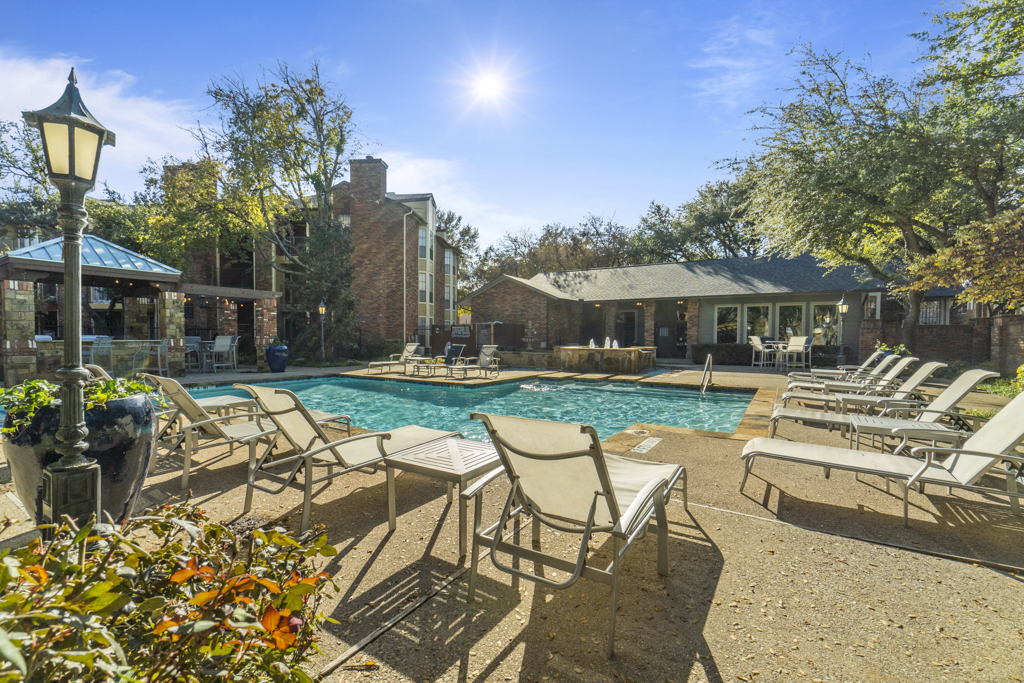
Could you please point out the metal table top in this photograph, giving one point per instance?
(448, 459)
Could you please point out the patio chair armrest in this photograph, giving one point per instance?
(925, 432)
(480, 484)
(333, 444)
(903, 403)
(233, 416)
(632, 516)
(934, 450)
(926, 409)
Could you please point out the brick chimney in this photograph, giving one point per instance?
(369, 178)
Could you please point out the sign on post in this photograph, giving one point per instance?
(460, 331)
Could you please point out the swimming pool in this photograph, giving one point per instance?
(382, 405)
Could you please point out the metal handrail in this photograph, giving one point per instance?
(709, 371)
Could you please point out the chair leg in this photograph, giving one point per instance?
(659, 513)
(307, 496)
(536, 532)
(615, 596)
(749, 465)
(190, 441)
(474, 559)
(252, 474)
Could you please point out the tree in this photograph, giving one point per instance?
(466, 239)
(28, 201)
(980, 42)
(267, 170)
(712, 225)
(863, 169)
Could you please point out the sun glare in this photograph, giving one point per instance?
(489, 87)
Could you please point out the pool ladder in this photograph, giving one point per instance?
(709, 371)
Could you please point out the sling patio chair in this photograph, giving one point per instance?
(453, 358)
(876, 371)
(485, 364)
(395, 360)
(203, 430)
(870, 397)
(925, 425)
(220, 356)
(796, 353)
(760, 356)
(563, 479)
(315, 450)
(839, 372)
(961, 468)
(856, 384)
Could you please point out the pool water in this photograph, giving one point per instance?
(382, 405)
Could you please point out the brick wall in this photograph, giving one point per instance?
(265, 329)
(512, 304)
(227, 317)
(611, 312)
(1007, 342)
(648, 339)
(564, 319)
(944, 343)
(692, 326)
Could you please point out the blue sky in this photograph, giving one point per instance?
(604, 106)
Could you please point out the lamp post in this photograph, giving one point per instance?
(72, 141)
(842, 307)
(323, 309)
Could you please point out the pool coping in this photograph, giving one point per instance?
(753, 423)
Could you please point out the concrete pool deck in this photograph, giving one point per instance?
(799, 578)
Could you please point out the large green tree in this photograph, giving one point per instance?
(466, 239)
(863, 169)
(714, 224)
(28, 202)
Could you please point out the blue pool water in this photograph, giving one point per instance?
(382, 405)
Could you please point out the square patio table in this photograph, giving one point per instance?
(455, 461)
(883, 426)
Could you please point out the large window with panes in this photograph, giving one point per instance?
(423, 288)
(423, 243)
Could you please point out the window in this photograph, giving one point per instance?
(423, 243)
(757, 320)
(447, 297)
(873, 306)
(791, 321)
(423, 288)
(825, 321)
(447, 261)
(931, 313)
(431, 290)
(726, 324)
(431, 246)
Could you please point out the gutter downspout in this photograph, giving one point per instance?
(405, 278)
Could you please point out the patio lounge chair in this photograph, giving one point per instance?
(98, 372)
(395, 360)
(962, 468)
(872, 396)
(925, 425)
(453, 357)
(203, 430)
(839, 372)
(563, 479)
(859, 383)
(485, 364)
(314, 449)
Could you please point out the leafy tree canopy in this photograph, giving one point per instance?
(466, 239)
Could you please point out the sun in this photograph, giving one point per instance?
(489, 86)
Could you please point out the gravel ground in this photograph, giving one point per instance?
(777, 584)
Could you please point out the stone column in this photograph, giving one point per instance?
(649, 339)
(136, 317)
(692, 326)
(171, 323)
(227, 318)
(264, 330)
(611, 311)
(17, 331)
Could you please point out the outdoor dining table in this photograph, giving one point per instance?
(773, 348)
(455, 461)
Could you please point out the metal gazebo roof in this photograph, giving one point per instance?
(99, 258)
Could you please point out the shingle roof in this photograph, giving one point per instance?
(95, 252)
(718, 277)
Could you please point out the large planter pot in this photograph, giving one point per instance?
(277, 358)
(121, 439)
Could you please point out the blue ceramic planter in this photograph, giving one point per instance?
(277, 358)
(121, 439)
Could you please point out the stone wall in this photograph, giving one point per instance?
(136, 316)
(17, 331)
(171, 325)
(1007, 342)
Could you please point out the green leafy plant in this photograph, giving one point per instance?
(22, 401)
(899, 349)
(165, 597)
(1005, 386)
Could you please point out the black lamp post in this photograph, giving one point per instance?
(323, 310)
(842, 307)
(72, 141)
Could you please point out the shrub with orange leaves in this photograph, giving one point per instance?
(94, 605)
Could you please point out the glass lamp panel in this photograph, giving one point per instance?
(55, 139)
(86, 146)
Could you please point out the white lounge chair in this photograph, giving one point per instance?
(839, 372)
(962, 467)
(314, 449)
(395, 360)
(925, 425)
(859, 383)
(564, 480)
(451, 359)
(485, 364)
(872, 395)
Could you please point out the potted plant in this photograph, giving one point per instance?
(122, 430)
(277, 355)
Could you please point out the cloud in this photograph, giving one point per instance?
(738, 57)
(146, 127)
(448, 180)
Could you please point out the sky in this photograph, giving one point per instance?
(513, 114)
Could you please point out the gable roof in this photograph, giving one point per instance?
(716, 277)
(96, 252)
